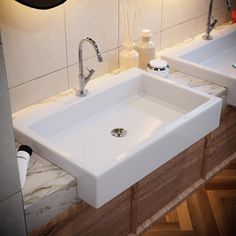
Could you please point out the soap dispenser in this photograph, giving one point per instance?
(145, 48)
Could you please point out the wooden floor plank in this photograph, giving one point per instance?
(226, 181)
(184, 217)
(166, 227)
(170, 233)
(228, 173)
(220, 186)
(195, 215)
(226, 193)
(229, 205)
(203, 221)
(172, 216)
(219, 213)
(209, 212)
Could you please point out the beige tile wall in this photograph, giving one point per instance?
(41, 47)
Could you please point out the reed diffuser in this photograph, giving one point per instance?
(129, 17)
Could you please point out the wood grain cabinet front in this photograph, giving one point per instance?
(221, 143)
(112, 219)
(167, 182)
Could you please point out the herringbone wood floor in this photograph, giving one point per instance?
(209, 212)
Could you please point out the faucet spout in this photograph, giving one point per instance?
(83, 80)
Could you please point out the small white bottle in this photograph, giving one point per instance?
(146, 48)
(128, 56)
(23, 154)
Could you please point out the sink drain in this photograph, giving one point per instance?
(119, 132)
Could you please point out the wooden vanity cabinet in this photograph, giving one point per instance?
(126, 212)
(221, 143)
(167, 182)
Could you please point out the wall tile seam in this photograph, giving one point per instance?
(37, 78)
(196, 27)
(118, 28)
(214, 10)
(94, 57)
(163, 28)
(162, 3)
(154, 32)
(62, 68)
(66, 46)
(183, 22)
(111, 50)
(136, 40)
(163, 31)
(198, 8)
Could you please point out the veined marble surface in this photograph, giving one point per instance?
(49, 190)
(199, 85)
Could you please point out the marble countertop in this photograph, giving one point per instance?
(44, 178)
(199, 85)
(49, 190)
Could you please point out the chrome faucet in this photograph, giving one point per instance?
(211, 22)
(83, 80)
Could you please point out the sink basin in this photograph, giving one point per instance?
(160, 119)
(209, 60)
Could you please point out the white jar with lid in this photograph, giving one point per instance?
(158, 67)
(145, 48)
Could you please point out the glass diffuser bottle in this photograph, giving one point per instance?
(128, 56)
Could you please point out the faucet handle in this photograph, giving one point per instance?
(90, 71)
(214, 21)
(89, 76)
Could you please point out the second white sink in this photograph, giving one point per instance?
(209, 60)
(161, 119)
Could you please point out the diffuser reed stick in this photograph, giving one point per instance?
(129, 17)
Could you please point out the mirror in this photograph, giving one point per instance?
(41, 4)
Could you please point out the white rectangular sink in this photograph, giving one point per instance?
(209, 60)
(161, 119)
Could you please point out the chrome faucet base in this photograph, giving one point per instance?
(81, 93)
(207, 37)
